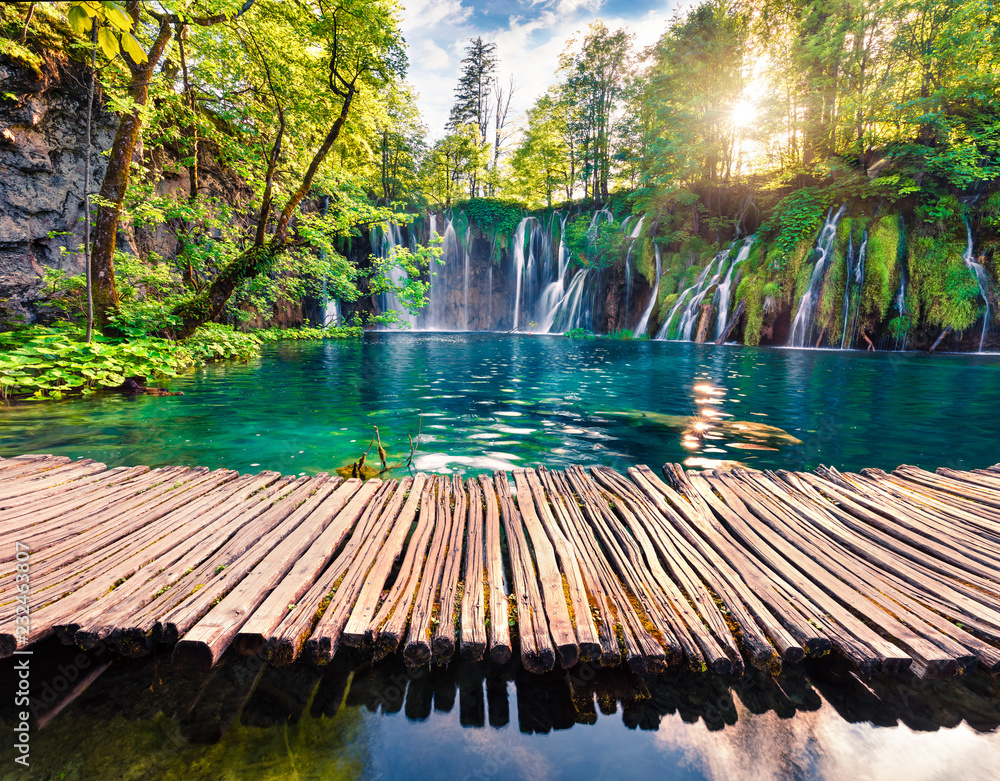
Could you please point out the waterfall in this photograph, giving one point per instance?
(519, 267)
(331, 307)
(982, 279)
(468, 250)
(725, 289)
(901, 305)
(698, 291)
(628, 260)
(802, 325)
(576, 308)
(854, 282)
(643, 324)
(435, 317)
(384, 240)
(554, 293)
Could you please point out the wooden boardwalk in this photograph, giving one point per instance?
(894, 572)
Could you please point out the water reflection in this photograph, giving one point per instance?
(141, 719)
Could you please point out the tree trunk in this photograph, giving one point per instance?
(116, 181)
(209, 305)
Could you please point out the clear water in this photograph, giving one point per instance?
(492, 401)
(488, 401)
(350, 720)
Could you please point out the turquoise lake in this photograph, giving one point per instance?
(492, 401)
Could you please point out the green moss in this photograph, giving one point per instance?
(751, 293)
(942, 288)
(881, 269)
(645, 260)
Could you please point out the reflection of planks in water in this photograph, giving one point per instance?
(897, 572)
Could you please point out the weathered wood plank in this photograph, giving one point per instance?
(500, 644)
(340, 585)
(386, 630)
(473, 611)
(576, 592)
(424, 615)
(537, 652)
(358, 627)
(554, 603)
(443, 643)
(207, 624)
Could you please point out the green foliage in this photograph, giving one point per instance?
(41, 362)
(941, 285)
(579, 333)
(881, 269)
(493, 216)
(797, 217)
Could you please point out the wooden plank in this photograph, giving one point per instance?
(129, 598)
(924, 552)
(75, 588)
(625, 556)
(84, 512)
(472, 623)
(443, 643)
(934, 656)
(795, 621)
(954, 598)
(696, 604)
(537, 652)
(356, 631)
(27, 511)
(554, 603)
(642, 650)
(499, 612)
(868, 651)
(596, 604)
(51, 478)
(424, 615)
(17, 467)
(387, 627)
(572, 580)
(895, 599)
(207, 624)
(136, 634)
(339, 585)
(982, 495)
(954, 533)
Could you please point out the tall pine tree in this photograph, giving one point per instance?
(472, 96)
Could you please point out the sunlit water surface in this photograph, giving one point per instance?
(487, 401)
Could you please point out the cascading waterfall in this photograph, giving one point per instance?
(726, 288)
(802, 325)
(519, 267)
(982, 279)
(692, 305)
(643, 325)
(628, 260)
(384, 240)
(693, 309)
(435, 316)
(901, 308)
(576, 308)
(854, 282)
(468, 249)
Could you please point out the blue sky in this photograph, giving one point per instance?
(530, 34)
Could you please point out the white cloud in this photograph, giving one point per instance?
(528, 43)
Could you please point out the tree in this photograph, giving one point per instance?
(472, 96)
(540, 162)
(364, 49)
(596, 76)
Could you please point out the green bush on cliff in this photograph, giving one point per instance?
(941, 284)
(797, 217)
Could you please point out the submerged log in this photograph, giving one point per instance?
(940, 338)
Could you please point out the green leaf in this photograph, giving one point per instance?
(78, 20)
(117, 16)
(108, 42)
(132, 46)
